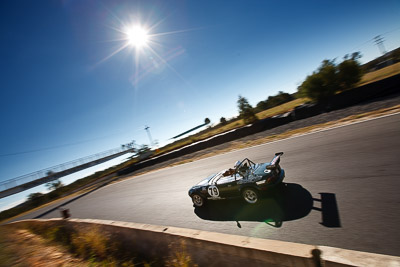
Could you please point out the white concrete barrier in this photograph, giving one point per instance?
(217, 249)
(344, 257)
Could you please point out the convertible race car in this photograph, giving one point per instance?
(246, 179)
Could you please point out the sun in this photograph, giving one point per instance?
(144, 43)
(136, 36)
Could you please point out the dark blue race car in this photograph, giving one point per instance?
(247, 179)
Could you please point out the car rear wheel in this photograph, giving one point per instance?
(250, 195)
(198, 200)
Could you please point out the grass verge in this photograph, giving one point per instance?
(36, 245)
(19, 247)
(380, 74)
(218, 129)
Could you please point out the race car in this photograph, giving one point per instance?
(247, 179)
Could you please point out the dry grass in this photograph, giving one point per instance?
(19, 247)
(179, 257)
(40, 245)
(221, 129)
(91, 243)
(261, 115)
(218, 129)
(281, 108)
(380, 74)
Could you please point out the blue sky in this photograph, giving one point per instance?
(64, 97)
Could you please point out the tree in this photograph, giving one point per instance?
(330, 78)
(222, 120)
(328, 73)
(246, 111)
(207, 121)
(262, 105)
(281, 98)
(273, 101)
(53, 185)
(321, 85)
(349, 71)
(36, 198)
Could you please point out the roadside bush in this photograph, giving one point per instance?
(331, 78)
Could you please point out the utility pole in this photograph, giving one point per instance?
(379, 42)
(148, 133)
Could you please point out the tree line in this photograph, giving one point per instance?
(329, 79)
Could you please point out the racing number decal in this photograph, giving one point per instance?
(213, 191)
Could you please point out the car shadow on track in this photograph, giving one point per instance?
(286, 203)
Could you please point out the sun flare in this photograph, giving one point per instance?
(144, 44)
(137, 36)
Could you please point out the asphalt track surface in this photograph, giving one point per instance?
(342, 190)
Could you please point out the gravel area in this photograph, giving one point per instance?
(318, 119)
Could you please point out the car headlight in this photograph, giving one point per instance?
(261, 182)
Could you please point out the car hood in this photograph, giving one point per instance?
(206, 180)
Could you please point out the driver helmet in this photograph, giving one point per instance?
(237, 163)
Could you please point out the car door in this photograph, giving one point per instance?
(229, 188)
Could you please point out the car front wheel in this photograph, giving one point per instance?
(250, 195)
(198, 200)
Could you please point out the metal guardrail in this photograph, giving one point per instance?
(23, 179)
